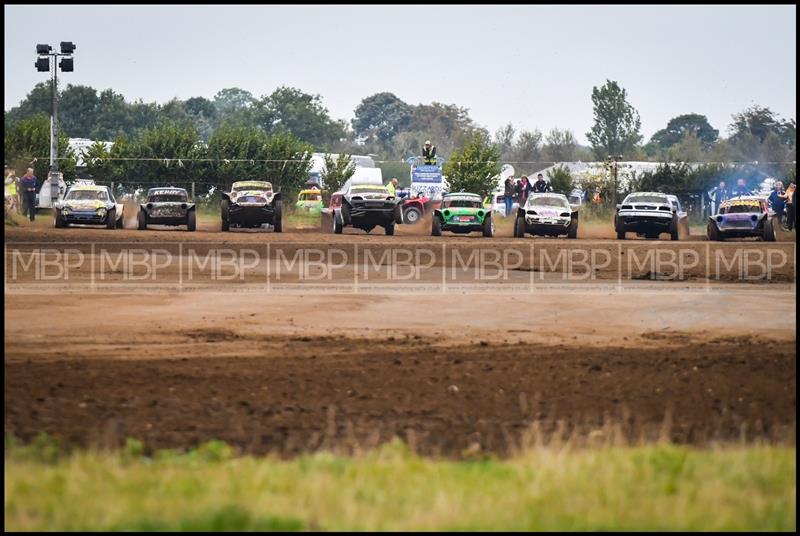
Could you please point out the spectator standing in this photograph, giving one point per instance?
(541, 185)
(777, 199)
(28, 184)
(791, 207)
(717, 195)
(741, 188)
(523, 190)
(508, 193)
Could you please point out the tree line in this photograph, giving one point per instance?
(289, 122)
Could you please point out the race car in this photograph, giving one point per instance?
(547, 214)
(363, 206)
(650, 214)
(462, 213)
(251, 204)
(309, 201)
(739, 217)
(167, 206)
(88, 204)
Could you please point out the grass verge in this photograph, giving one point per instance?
(661, 487)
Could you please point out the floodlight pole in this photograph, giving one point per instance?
(42, 50)
(54, 118)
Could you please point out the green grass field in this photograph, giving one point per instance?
(637, 488)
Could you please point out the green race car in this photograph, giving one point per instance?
(462, 213)
(309, 201)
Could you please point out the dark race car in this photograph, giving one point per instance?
(740, 217)
(252, 204)
(167, 206)
(363, 206)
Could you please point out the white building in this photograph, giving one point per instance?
(80, 145)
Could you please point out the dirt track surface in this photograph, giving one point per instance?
(450, 373)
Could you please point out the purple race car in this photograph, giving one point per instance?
(745, 216)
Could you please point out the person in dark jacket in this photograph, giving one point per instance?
(28, 184)
(777, 199)
(508, 193)
(541, 185)
(741, 189)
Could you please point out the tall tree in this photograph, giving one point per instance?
(233, 99)
(113, 117)
(560, 146)
(379, 117)
(337, 171)
(678, 127)
(616, 122)
(78, 110)
(39, 100)
(288, 109)
(474, 167)
(27, 144)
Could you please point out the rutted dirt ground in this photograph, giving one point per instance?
(451, 373)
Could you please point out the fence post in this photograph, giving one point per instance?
(192, 190)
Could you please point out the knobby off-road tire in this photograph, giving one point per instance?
(436, 226)
(713, 232)
(488, 227)
(412, 216)
(674, 229)
(225, 213)
(111, 219)
(389, 228)
(519, 227)
(191, 222)
(278, 217)
(338, 226)
(345, 212)
(618, 227)
(58, 220)
(141, 220)
(572, 232)
(768, 234)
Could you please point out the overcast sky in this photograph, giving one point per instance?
(531, 65)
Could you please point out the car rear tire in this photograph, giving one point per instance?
(619, 228)
(225, 214)
(488, 227)
(519, 227)
(436, 226)
(191, 223)
(768, 234)
(412, 216)
(278, 217)
(58, 221)
(111, 219)
(345, 212)
(389, 229)
(338, 227)
(713, 232)
(674, 229)
(572, 232)
(141, 220)
(398, 214)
